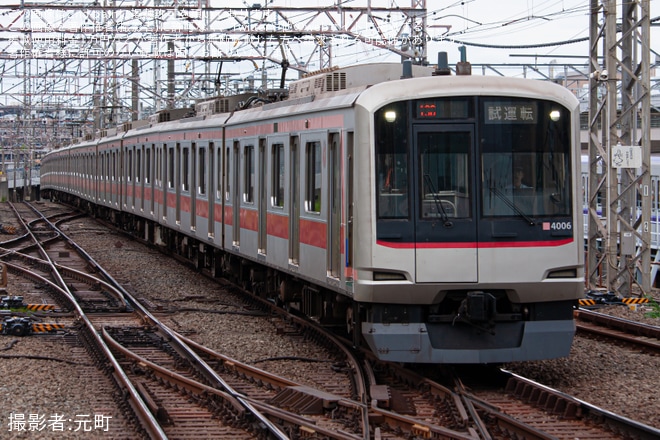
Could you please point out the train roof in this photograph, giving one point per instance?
(368, 85)
(465, 85)
(361, 76)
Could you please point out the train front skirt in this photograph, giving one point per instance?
(445, 344)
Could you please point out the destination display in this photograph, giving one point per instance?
(443, 109)
(501, 112)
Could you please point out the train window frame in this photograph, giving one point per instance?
(218, 189)
(201, 170)
(278, 175)
(147, 164)
(185, 169)
(129, 165)
(158, 170)
(248, 173)
(228, 169)
(313, 177)
(170, 167)
(138, 164)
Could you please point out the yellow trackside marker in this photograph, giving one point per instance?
(40, 307)
(635, 300)
(587, 302)
(44, 328)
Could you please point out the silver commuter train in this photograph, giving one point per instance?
(436, 217)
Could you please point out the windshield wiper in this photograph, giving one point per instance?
(438, 202)
(512, 205)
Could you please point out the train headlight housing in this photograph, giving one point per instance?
(389, 276)
(563, 273)
(390, 116)
(555, 115)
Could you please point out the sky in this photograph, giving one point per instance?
(511, 25)
(542, 33)
(516, 31)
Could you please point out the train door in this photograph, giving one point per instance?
(113, 179)
(334, 217)
(263, 200)
(350, 199)
(443, 206)
(168, 176)
(128, 179)
(294, 206)
(191, 182)
(150, 168)
(139, 177)
(178, 176)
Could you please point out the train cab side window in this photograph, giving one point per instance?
(277, 196)
(313, 177)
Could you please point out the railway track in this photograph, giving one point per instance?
(602, 325)
(200, 415)
(228, 398)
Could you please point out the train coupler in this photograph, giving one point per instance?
(478, 307)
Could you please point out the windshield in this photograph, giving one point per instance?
(525, 159)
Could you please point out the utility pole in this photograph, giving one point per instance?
(619, 192)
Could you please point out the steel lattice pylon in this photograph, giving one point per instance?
(619, 191)
(112, 61)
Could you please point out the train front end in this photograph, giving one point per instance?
(473, 219)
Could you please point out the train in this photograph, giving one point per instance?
(432, 217)
(654, 223)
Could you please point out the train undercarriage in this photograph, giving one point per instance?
(327, 307)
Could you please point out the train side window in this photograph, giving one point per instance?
(129, 166)
(185, 176)
(248, 173)
(147, 165)
(170, 168)
(138, 165)
(313, 177)
(201, 167)
(277, 196)
(218, 179)
(158, 167)
(227, 163)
